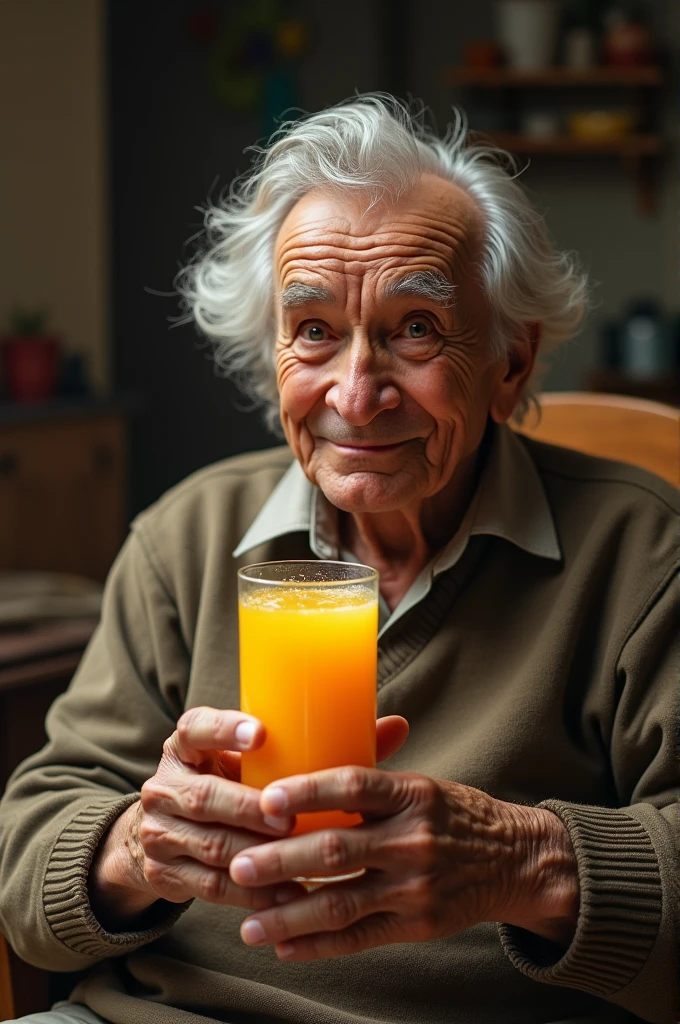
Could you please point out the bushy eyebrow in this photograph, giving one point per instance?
(298, 294)
(424, 284)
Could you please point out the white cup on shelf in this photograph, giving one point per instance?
(527, 31)
(580, 50)
(539, 124)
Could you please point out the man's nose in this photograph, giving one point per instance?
(362, 388)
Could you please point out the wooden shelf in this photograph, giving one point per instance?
(638, 151)
(629, 146)
(496, 78)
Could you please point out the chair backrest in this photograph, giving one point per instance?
(633, 430)
(6, 1001)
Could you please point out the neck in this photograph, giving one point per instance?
(400, 543)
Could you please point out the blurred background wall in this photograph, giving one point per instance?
(54, 197)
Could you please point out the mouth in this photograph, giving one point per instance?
(367, 449)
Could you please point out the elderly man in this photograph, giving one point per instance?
(385, 293)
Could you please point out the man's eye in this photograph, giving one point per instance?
(418, 329)
(314, 333)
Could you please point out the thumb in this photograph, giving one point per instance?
(391, 734)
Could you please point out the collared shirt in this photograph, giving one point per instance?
(509, 502)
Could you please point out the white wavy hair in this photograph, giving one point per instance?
(375, 145)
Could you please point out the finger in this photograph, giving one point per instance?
(184, 879)
(327, 853)
(166, 839)
(391, 734)
(377, 930)
(331, 908)
(229, 765)
(210, 798)
(201, 729)
(350, 788)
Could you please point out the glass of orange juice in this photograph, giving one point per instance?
(308, 638)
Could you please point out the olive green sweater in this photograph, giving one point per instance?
(548, 680)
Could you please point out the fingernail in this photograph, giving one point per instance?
(276, 799)
(243, 869)
(284, 950)
(280, 824)
(244, 733)
(252, 931)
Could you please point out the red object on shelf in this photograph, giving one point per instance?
(31, 367)
(628, 44)
(482, 53)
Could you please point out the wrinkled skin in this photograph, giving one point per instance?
(439, 857)
(194, 816)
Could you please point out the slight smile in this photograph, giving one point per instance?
(368, 449)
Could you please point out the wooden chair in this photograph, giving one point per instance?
(632, 430)
(6, 1001)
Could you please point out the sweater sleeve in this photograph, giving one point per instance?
(105, 737)
(625, 948)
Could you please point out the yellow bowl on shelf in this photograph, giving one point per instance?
(596, 125)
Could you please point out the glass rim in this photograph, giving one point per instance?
(371, 575)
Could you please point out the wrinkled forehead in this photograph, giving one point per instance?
(436, 225)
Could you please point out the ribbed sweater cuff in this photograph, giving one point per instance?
(620, 911)
(65, 896)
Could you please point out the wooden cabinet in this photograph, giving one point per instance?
(62, 492)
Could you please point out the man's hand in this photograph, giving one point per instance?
(193, 818)
(439, 857)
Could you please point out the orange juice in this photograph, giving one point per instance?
(308, 671)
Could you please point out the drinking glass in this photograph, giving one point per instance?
(308, 637)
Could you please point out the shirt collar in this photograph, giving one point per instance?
(510, 502)
(511, 499)
(290, 508)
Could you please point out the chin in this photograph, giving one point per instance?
(363, 492)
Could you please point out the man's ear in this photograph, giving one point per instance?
(517, 368)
